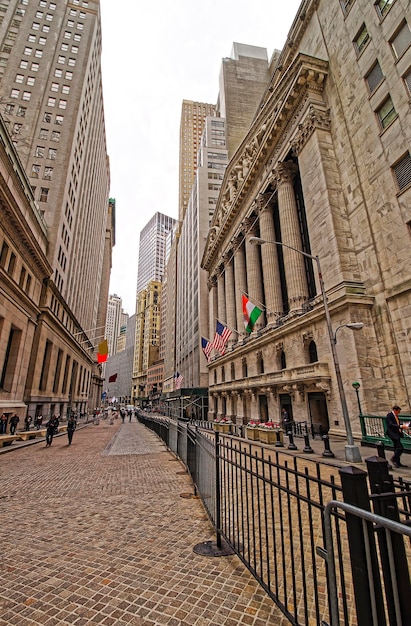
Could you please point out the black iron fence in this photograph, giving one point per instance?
(321, 564)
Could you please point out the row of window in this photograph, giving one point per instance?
(282, 363)
(8, 262)
(381, 6)
(400, 42)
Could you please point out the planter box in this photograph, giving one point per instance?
(222, 427)
(269, 435)
(252, 433)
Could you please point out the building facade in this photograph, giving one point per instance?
(114, 322)
(152, 250)
(193, 115)
(325, 170)
(52, 102)
(191, 322)
(119, 369)
(147, 338)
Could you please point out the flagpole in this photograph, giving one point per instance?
(259, 303)
(229, 327)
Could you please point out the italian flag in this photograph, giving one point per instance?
(251, 314)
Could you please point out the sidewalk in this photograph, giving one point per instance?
(337, 447)
(102, 532)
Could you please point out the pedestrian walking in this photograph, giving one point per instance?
(3, 424)
(51, 429)
(394, 432)
(13, 423)
(71, 427)
(27, 422)
(38, 421)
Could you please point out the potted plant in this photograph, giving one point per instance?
(267, 432)
(252, 430)
(223, 425)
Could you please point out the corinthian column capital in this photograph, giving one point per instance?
(285, 172)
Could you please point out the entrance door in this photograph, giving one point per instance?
(263, 408)
(318, 412)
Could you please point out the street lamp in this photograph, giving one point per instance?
(357, 386)
(352, 452)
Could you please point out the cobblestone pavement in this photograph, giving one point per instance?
(98, 533)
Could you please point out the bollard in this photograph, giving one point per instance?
(278, 443)
(327, 451)
(307, 448)
(291, 445)
(380, 449)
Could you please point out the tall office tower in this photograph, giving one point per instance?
(114, 322)
(168, 315)
(192, 292)
(193, 116)
(147, 336)
(120, 367)
(51, 98)
(243, 80)
(152, 250)
(155, 243)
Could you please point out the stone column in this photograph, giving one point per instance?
(290, 232)
(269, 260)
(230, 296)
(254, 406)
(213, 306)
(221, 310)
(240, 278)
(254, 278)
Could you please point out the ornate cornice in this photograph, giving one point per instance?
(316, 119)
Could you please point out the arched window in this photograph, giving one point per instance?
(283, 360)
(312, 352)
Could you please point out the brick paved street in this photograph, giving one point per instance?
(98, 533)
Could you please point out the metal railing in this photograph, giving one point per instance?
(275, 510)
(374, 428)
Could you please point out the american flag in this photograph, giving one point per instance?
(207, 348)
(178, 379)
(222, 335)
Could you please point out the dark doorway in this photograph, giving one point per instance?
(317, 405)
(263, 408)
(285, 403)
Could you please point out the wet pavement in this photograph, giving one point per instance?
(102, 532)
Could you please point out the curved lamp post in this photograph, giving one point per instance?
(352, 452)
(356, 387)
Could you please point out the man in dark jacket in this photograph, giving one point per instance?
(394, 432)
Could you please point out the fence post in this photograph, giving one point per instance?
(387, 506)
(368, 593)
(217, 489)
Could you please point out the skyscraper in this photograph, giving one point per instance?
(52, 103)
(51, 99)
(155, 242)
(152, 250)
(193, 115)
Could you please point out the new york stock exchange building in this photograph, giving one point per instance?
(317, 200)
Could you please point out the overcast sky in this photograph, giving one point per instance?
(155, 55)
